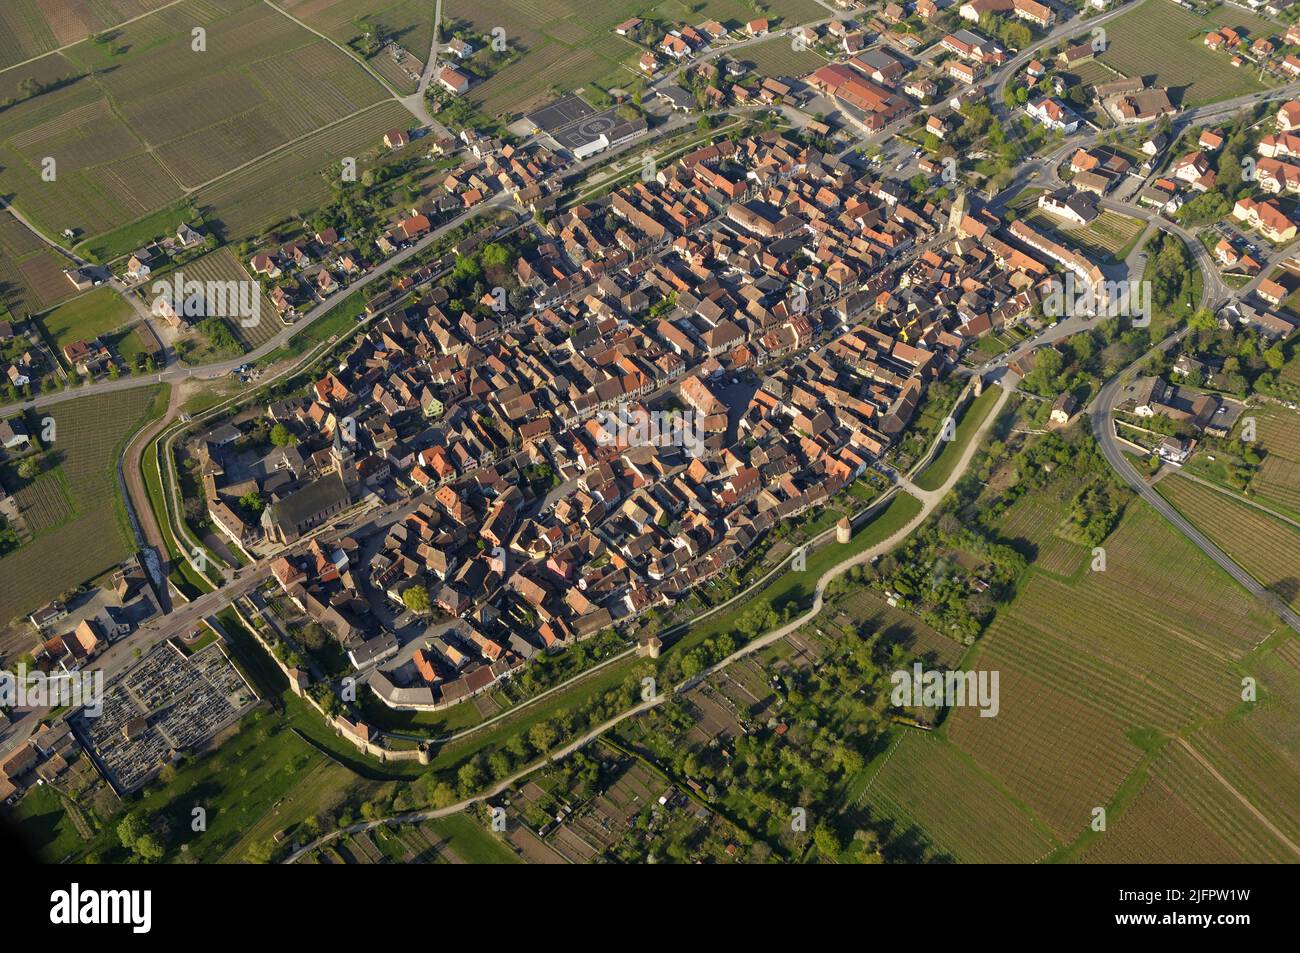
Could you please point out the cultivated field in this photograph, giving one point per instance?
(570, 45)
(222, 266)
(409, 23)
(1031, 522)
(1264, 546)
(925, 782)
(82, 527)
(157, 119)
(29, 28)
(868, 613)
(1278, 479)
(1093, 670)
(296, 179)
(1108, 235)
(1165, 44)
(777, 57)
(31, 275)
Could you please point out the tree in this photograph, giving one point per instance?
(282, 436)
(416, 598)
(130, 830)
(29, 468)
(252, 501)
(149, 848)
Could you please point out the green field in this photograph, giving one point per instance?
(81, 529)
(924, 781)
(1165, 44)
(135, 123)
(937, 473)
(87, 317)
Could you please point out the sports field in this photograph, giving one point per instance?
(1165, 44)
(143, 119)
(74, 507)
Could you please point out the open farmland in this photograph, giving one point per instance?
(1072, 648)
(408, 23)
(30, 28)
(924, 781)
(1165, 44)
(868, 612)
(298, 178)
(568, 44)
(93, 534)
(222, 266)
(1278, 480)
(31, 274)
(1031, 522)
(1263, 545)
(777, 57)
(144, 119)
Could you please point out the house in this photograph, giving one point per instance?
(1053, 114)
(1211, 140)
(1291, 64)
(460, 48)
(1195, 169)
(137, 268)
(13, 434)
(963, 72)
(757, 27)
(265, 266)
(453, 80)
(187, 236)
(1271, 221)
(1036, 13)
(1288, 116)
(396, 139)
(1070, 204)
(1065, 407)
(628, 27)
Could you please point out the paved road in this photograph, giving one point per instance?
(1100, 413)
(224, 368)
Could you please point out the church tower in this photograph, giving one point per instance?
(345, 464)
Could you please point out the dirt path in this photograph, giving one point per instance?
(1254, 811)
(929, 499)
